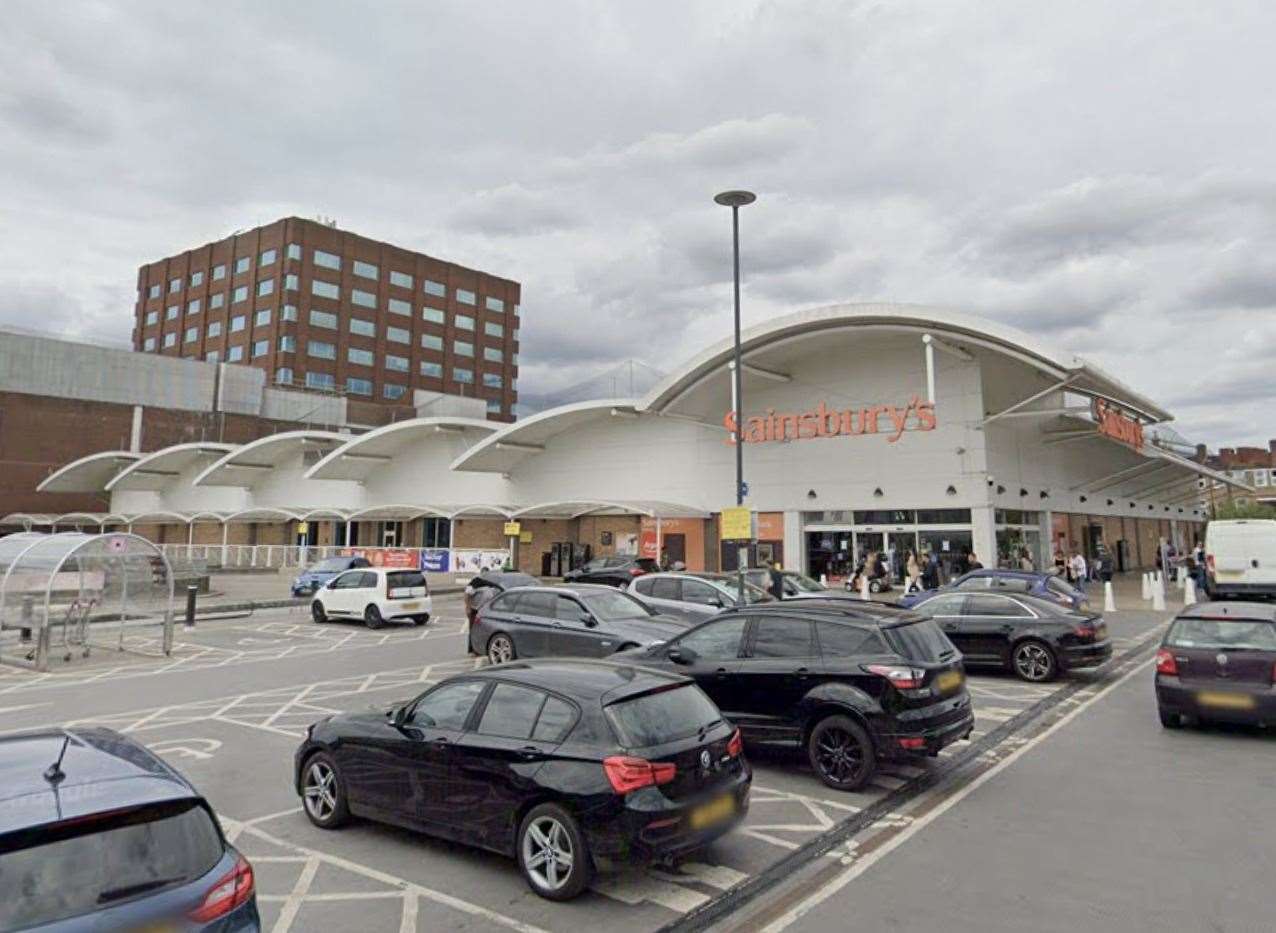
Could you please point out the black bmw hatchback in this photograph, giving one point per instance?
(851, 683)
(562, 764)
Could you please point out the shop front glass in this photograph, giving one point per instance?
(1019, 544)
(829, 555)
(892, 534)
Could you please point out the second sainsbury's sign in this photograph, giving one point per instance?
(1117, 425)
(826, 421)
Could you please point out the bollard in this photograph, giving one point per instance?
(863, 587)
(1158, 599)
(1109, 598)
(190, 605)
(1147, 586)
(1182, 581)
(1189, 592)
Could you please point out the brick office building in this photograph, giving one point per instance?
(327, 309)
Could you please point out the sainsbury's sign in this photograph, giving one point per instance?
(1117, 424)
(824, 421)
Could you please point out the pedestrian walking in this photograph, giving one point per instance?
(972, 563)
(914, 574)
(1077, 566)
(775, 580)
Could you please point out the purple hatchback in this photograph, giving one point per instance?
(1218, 662)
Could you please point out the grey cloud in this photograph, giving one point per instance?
(511, 210)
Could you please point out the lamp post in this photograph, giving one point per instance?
(736, 200)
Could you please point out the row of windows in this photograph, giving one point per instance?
(285, 375)
(242, 264)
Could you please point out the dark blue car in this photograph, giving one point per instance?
(1042, 585)
(98, 834)
(314, 577)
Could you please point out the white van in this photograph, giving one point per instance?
(1240, 557)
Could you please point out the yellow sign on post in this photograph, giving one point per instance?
(737, 524)
(513, 529)
(303, 528)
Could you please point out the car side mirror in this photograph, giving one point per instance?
(681, 655)
(399, 715)
(588, 620)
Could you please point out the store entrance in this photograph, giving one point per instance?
(829, 555)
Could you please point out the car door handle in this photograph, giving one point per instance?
(528, 751)
(1007, 628)
(801, 673)
(441, 740)
(721, 672)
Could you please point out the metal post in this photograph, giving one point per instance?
(930, 368)
(191, 592)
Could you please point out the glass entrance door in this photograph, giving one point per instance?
(898, 546)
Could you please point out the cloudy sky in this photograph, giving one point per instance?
(1100, 173)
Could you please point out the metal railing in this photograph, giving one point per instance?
(230, 557)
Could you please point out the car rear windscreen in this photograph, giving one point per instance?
(663, 716)
(1223, 634)
(921, 641)
(401, 579)
(66, 871)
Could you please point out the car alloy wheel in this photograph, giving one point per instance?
(1033, 662)
(372, 617)
(321, 793)
(500, 649)
(841, 753)
(317, 613)
(552, 853)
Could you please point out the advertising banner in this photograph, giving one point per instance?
(478, 561)
(391, 557)
(436, 560)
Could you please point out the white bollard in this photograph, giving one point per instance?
(1182, 579)
(824, 579)
(1147, 586)
(1158, 599)
(863, 587)
(1109, 598)
(1189, 592)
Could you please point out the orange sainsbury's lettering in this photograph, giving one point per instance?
(827, 421)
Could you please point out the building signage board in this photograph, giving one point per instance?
(513, 529)
(825, 421)
(737, 524)
(1116, 424)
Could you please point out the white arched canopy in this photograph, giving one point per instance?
(88, 474)
(245, 465)
(361, 455)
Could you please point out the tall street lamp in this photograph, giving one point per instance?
(736, 200)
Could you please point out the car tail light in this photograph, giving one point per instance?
(912, 742)
(627, 774)
(1085, 631)
(904, 678)
(230, 891)
(1165, 663)
(736, 745)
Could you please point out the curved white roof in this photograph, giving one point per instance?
(243, 465)
(359, 456)
(88, 474)
(950, 325)
(158, 469)
(505, 449)
(575, 508)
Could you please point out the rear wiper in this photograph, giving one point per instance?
(128, 890)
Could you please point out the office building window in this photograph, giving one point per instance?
(323, 319)
(492, 355)
(363, 299)
(321, 350)
(433, 315)
(154, 292)
(288, 313)
(365, 269)
(398, 364)
(261, 348)
(327, 260)
(464, 322)
(433, 370)
(149, 344)
(431, 342)
(359, 357)
(437, 289)
(324, 289)
(174, 285)
(192, 306)
(283, 375)
(514, 359)
(242, 264)
(363, 328)
(219, 272)
(197, 278)
(267, 257)
(493, 406)
(171, 312)
(401, 279)
(192, 334)
(399, 306)
(494, 330)
(393, 390)
(265, 287)
(152, 317)
(237, 323)
(494, 304)
(515, 335)
(320, 381)
(262, 318)
(356, 386)
(216, 301)
(463, 375)
(461, 348)
(493, 381)
(234, 354)
(464, 296)
(293, 251)
(291, 282)
(288, 344)
(213, 356)
(397, 335)
(240, 294)
(215, 329)
(170, 340)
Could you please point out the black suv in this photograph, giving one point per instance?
(612, 571)
(850, 683)
(97, 833)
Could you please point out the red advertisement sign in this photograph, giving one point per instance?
(391, 557)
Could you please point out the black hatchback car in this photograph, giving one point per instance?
(559, 763)
(1218, 663)
(851, 684)
(99, 834)
(1034, 638)
(619, 570)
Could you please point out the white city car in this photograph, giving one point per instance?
(376, 595)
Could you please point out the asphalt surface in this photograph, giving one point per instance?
(230, 705)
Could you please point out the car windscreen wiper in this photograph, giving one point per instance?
(129, 890)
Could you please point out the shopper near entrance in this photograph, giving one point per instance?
(1077, 566)
(775, 579)
(914, 573)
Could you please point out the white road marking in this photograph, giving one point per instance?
(17, 709)
(635, 887)
(411, 903)
(199, 749)
(292, 903)
(860, 866)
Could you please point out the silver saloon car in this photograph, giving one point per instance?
(693, 596)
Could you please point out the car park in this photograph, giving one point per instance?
(561, 764)
(376, 595)
(693, 596)
(1036, 639)
(486, 586)
(1046, 586)
(851, 684)
(1240, 558)
(98, 833)
(570, 621)
(617, 570)
(1217, 663)
(314, 577)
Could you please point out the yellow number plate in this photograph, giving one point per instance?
(714, 812)
(949, 680)
(1225, 700)
(411, 605)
